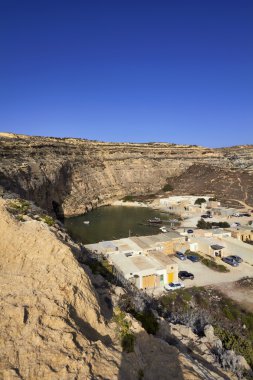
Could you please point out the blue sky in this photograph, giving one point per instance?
(177, 71)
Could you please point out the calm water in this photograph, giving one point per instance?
(113, 222)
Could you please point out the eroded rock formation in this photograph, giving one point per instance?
(72, 176)
(51, 324)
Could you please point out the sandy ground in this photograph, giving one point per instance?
(242, 295)
(130, 204)
(192, 222)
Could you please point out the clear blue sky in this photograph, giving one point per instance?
(178, 71)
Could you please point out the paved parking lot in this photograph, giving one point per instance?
(205, 276)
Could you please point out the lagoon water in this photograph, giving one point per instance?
(113, 222)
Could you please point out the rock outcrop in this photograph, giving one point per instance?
(72, 176)
(51, 324)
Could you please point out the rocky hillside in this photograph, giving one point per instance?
(52, 325)
(72, 176)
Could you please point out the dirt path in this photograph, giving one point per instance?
(242, 295)
(241, 202)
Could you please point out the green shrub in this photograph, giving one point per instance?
(19, 205)
(239, 344)
(47, 219)
(167, 187)
(207, 225)
(202, 224)
(199, 201)
(148, 321)
(127, 342)
(123, 326)
(128, 198)
(213, 265)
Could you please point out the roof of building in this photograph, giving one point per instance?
(134, 264)
(162, 258)
(146, 242)
(216, 247)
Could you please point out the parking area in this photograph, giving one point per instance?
(205, 276)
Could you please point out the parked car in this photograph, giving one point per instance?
(205, 216)
(246, 214)
(230, 261)
(236, 258)
(190, 231)
(173, 286)
(180, 256)
(193, 258)
(184, 275)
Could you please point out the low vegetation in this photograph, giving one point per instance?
(47, 219)
(209, 262)
(199, 201)
(128, 198)
(196, 307)
(215, 266)
(101, 267)
(18, 206)
(202, 224)
(147, 319)
(123, 326)
(167, 187)
(246, 282)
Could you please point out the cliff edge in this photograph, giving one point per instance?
(72, 176)
(50, 321)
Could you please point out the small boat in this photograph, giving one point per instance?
(163, 229)
(86, 222)
(155, 220)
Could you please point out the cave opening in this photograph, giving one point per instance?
(58, 210)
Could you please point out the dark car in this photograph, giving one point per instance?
(190, 231)
(205, 216)
(193, 258)
(184, 275)
(230, 261)
(180, 256)
(246, 214)
(236, 258)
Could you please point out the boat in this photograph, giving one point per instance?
(86, 222)
(163, 229)
(155, 220)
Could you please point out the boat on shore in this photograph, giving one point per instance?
(155, 221)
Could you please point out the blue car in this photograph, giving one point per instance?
(230, 261)
(193, 258)
(180, 256)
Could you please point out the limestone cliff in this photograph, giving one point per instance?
(51, 325)
(72, 176)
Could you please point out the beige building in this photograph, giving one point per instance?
(145, 271)
(145, 261)
(242, 233)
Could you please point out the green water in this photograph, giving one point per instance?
(113, 222)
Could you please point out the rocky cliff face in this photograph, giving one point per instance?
(72, 176)
(52, 325)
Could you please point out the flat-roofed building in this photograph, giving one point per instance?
(242, 233)
(145, 271)
(165, 242)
